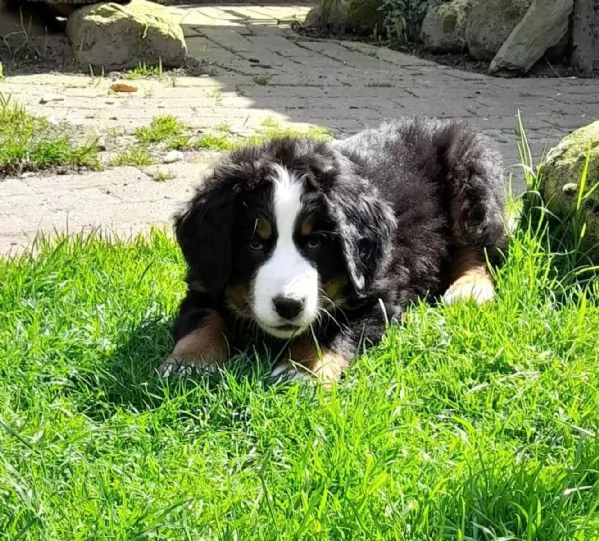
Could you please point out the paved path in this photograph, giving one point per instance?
(260, 69)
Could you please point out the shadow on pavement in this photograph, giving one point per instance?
(262, 67)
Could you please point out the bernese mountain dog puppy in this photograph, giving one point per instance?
(309, 249)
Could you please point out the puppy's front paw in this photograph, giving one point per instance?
(324, 367)
(204, 349)
(182, 364)
(476, 287)
(289, 371)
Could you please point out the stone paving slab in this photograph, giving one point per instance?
(259, 69)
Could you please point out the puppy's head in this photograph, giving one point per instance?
(287, 232)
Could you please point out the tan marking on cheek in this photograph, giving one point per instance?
(206, 347)
(263, 228)
(469, 278)
(238, 297)
(335, 288)
(307, 226)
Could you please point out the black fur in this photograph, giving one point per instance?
(399, 198)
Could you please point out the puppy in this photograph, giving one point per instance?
(309, 249)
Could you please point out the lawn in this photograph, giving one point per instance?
(466, 423)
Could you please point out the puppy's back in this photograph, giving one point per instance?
(419, 154)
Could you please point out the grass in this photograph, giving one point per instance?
(162, 175)
(467, 423)
(210, 141)
(169, 132)
(272, 129)
(136, 155)
(144, 70)
(162, 129)
(30, 143)
(223, 128)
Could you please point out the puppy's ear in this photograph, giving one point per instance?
(203, 231)
(365, 223)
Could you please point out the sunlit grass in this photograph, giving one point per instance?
(466, 423)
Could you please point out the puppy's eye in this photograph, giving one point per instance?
(257, 244)
(313, 243)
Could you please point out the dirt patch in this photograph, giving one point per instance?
(44, 54)
(53, 54)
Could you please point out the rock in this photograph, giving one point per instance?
(560, 181)
(173, 156)
(315, 19)
(52, 8)
(489, 24)
(358, 16)
(585, 42)
(543, 26)
(444, 27)
(116, 37)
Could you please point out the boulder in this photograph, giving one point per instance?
(489, 24)
(543, 26)
(444, 27)
(113, 36)
(585, 39)
(560, 182)
(315, 19)
(358, 16)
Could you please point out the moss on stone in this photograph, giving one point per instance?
(364, 15)
(450, 20)
(359, 16)
(561, 176)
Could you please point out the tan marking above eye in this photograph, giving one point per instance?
(307, 226)
(263, 228)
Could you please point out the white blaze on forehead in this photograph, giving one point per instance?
(287, 272)
(287, 203)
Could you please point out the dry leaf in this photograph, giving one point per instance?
(122, 87)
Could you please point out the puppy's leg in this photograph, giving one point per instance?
(327, 363)
(307, 361)
(204, 348)
(474, 172)
(470, 278)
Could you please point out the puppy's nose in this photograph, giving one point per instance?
(288, 307)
